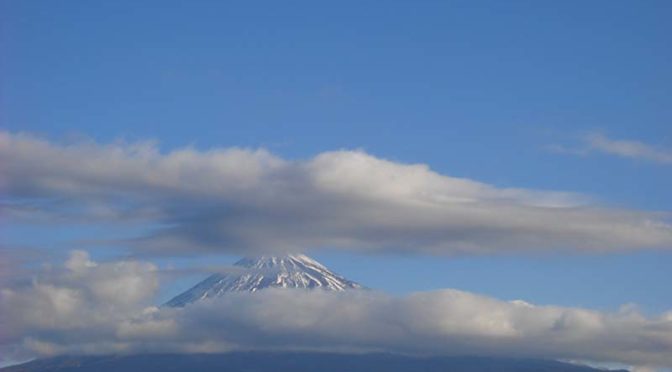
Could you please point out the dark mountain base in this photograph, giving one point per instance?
(295, 362)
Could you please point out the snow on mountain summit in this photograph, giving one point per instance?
(289, 271)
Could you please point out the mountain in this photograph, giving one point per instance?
(289, 271)
(295, 362)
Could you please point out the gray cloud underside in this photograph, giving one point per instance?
(241, 200)
(100, 308)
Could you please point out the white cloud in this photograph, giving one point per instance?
(73, 310)
(242, 200)
(629, 149)
(598, 142)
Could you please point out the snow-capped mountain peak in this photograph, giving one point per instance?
(289, 271)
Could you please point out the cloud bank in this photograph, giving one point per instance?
(247, 201)
(241, 200)
(98, 308)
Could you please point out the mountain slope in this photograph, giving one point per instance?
(295, 362)
(290, 271)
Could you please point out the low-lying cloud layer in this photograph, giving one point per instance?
(88, 307)
(250, 201)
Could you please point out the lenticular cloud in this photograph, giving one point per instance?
(251, 201)
(97, 308)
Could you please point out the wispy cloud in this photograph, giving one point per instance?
(248, 201)
(100, 308)
(600, 143)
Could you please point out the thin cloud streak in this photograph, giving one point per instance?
(600, 143)
(629, 149)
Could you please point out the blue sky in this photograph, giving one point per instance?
(487, 91)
